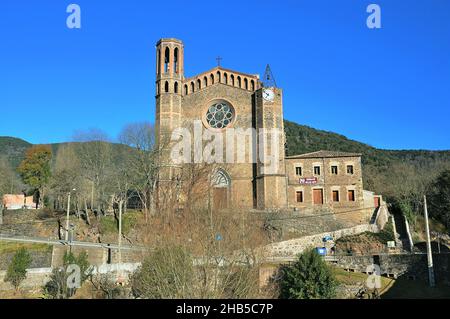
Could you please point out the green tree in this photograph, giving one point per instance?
(308, 278)
(17, 269)
(35, 169)
(57, 287)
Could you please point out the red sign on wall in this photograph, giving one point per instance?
(308, 180)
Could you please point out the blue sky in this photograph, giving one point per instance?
(389, 87)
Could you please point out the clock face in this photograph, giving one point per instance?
(268, 95)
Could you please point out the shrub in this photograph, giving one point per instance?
(57, 287)
(17, 270)
(308, 278)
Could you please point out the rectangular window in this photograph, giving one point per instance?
(334, 170)
(335, 196)
(350, 169)
(316, 170)
(298, 171)
(351, 195)
(299, 196)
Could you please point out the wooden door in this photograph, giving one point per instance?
(318, 196)
(220, 198)
(377, 201)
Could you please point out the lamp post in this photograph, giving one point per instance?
(68, 214)
(120, 278)
(429, 251)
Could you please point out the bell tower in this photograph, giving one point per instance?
(271, 181)
(169, 78)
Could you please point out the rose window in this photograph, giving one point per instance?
(219, 115)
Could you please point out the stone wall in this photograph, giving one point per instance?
(399, 264)
(96, 256)
(38, 259)
(293, 247)
(36, 277)
(382, 216)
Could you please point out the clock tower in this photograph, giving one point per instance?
(271, 183)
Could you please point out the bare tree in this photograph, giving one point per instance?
(141, 161)
(95, 154)
(217, 251)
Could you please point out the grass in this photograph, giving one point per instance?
(400, 288)
(108, 224)
(387, 234)
(356, 278)
(7, 247)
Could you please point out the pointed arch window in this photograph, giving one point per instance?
(225, 78)
(239, 82)
(158, 62)
(186, 89)
(246, 84)
(166, 87)
(166, 60)
(205, 81)
(232, 79)
(175, 59)
(175, 87)
(221, 179)
(192, 87)
(199, 84)
(212, 78)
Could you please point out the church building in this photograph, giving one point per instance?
(221, 99)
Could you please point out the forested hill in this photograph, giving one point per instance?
(385, 171)
(303, 139)
(13, 149)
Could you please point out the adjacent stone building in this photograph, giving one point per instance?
(333, 179)
(222, 100)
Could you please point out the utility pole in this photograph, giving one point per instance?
(68, 215)
(1, 213)
(119, 274)
(429, 252)
(120, 231)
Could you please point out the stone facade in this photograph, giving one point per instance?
(333, 178)
(246, 181)
(181, 102)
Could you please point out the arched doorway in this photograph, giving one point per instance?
(221, 183)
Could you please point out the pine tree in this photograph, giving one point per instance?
(308, 278)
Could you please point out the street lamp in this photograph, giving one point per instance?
(68, 214)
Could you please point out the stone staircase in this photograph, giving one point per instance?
(402, 239)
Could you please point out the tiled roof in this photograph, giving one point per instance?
(322, 154)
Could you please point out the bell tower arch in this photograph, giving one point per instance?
(169, 79)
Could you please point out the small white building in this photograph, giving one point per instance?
(14, 202)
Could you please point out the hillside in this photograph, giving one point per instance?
(303, 139)
(13, 149)
(381, 167)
